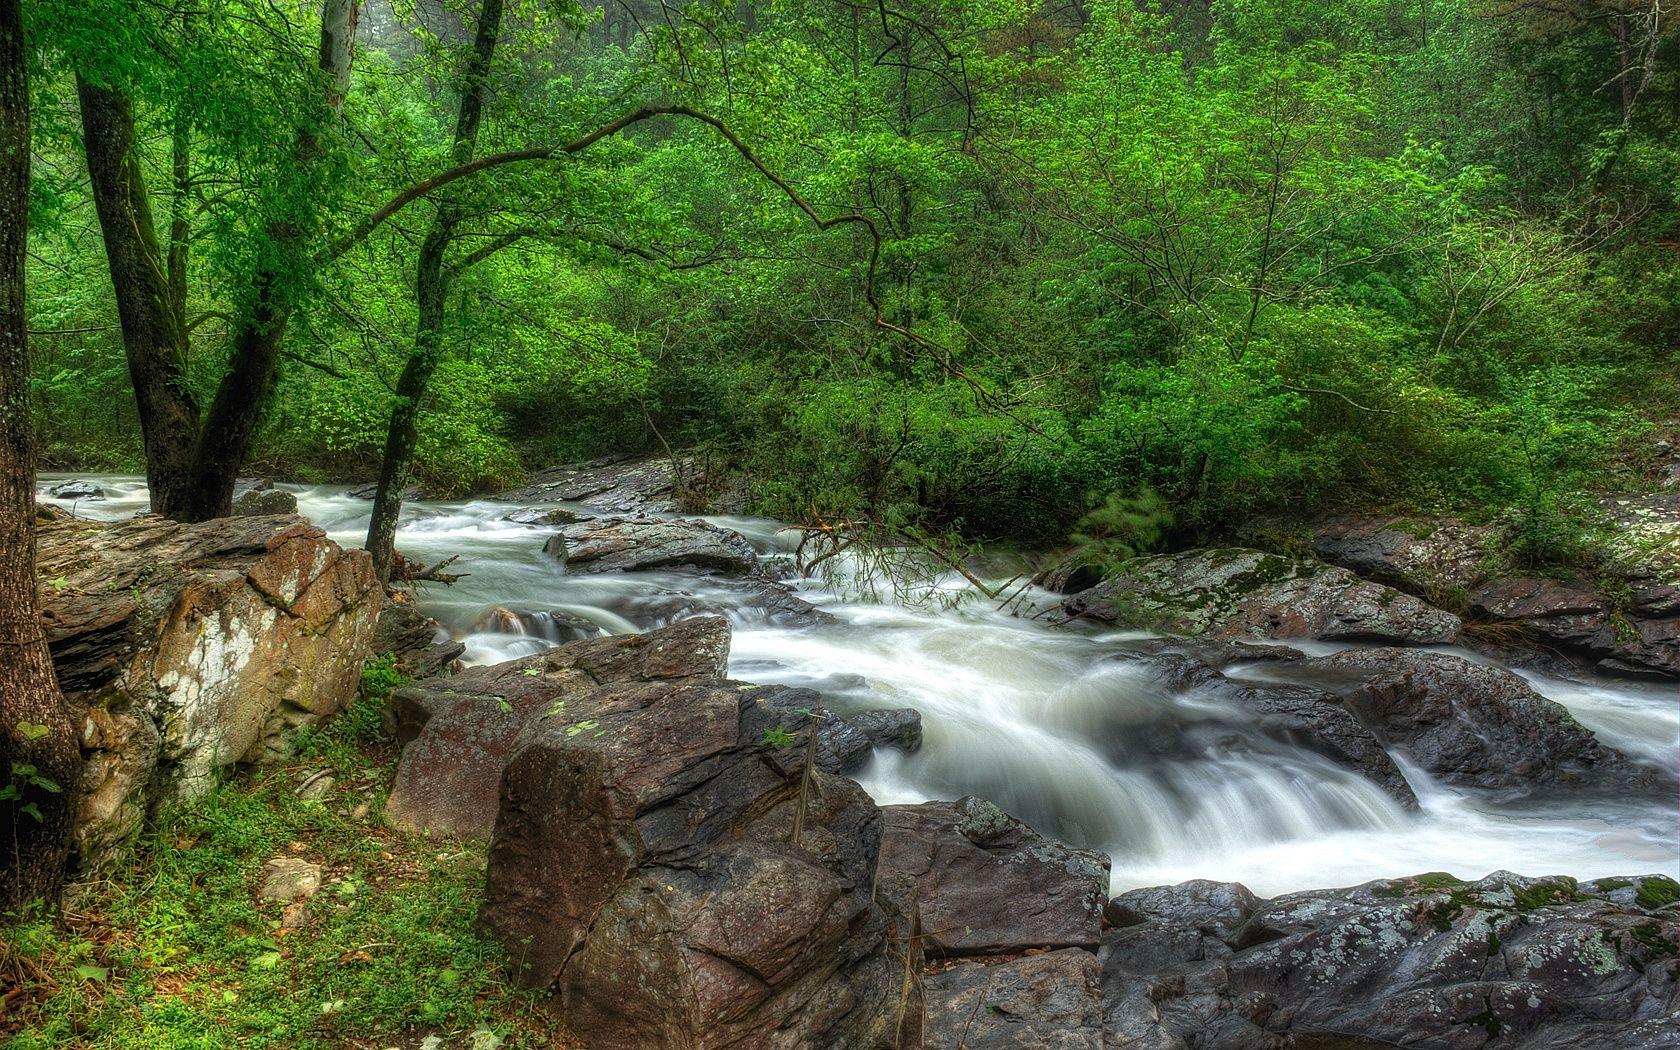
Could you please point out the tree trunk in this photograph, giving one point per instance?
(403, 432)
(153, 340)
(430, 288)
(38, 752)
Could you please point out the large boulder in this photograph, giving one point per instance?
(76, 490)
(1422, 961)
(1235, 593)
(1430, 557)
(638, 544)
(1051, 1001)
(621, 484)
(458, 732)
(675, 879)
(1472, 724)
(984, 883)
(190, 648)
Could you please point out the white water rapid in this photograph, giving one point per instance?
(1059, 727)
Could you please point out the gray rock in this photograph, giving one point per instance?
(289, 879)
(638, 544)
(1238, 594)
(752, 601)
(258, 502)
(76, 490)
(1295, 714)
(985, 883)
(620, 484)
(1424, 961)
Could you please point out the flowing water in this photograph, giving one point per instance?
(1069, 731)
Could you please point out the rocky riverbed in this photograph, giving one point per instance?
(627, 727)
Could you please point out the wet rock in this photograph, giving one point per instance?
(289, 879)
(1294, 714)
(258, 502)
(420, 644)
(1051, 1001)
(1423, 961)
(619, 484)
(640, 544)
(76, 490)
(459, 731)
(844, 743)
(750, 601)
(410, 493)
(1429, 557)
(985, 883)
(190, 648)
(552, 625)
(1472, 724)
(642, 869)
(553, 517)
(1238, 594)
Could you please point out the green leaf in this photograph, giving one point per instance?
(89, 972)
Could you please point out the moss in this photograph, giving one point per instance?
(1613, 884)
(1561, 891)
(1416, 528)
(1657, 891)
(1436, 880)
(1651, 936)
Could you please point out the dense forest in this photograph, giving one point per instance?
(517, 518)
(969, 266)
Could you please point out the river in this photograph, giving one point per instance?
(1066, 729)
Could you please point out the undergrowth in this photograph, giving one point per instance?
(174, 950)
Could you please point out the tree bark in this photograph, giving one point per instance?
(38, 752)
(431, 285)
(153, 340)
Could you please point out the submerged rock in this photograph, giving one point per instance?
(190, 648)
(985, 883)
(639, 544)
(1422, 961)
(1238, 594)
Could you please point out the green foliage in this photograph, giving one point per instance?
(1252, 256)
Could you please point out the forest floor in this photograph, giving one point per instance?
(178, 949)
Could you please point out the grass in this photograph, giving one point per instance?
(174, 950)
